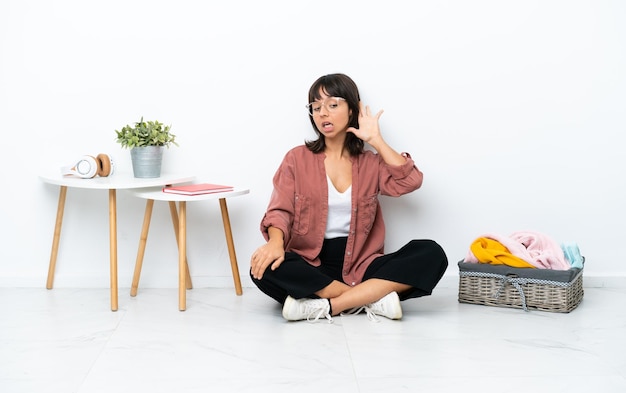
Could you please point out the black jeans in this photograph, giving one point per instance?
(420, 264)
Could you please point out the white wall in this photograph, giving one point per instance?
(513, 110)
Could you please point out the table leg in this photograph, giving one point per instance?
(113, 246)
(56, 237)
(175, 224)
(182, 255)
(143, 239)
(231, 246)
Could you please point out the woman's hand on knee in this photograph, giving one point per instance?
(269, 254)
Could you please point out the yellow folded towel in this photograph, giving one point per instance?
(492, 251)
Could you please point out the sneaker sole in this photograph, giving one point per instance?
(288, 304)
(398, 314)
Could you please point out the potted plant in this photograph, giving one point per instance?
(146, 141)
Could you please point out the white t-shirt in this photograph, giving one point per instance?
(339, 211)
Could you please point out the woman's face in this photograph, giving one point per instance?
(330, 114)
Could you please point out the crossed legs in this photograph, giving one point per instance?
(344, 297)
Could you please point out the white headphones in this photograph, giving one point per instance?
(87, 167)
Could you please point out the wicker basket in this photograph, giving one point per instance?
(528, 289)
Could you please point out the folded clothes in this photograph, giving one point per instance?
(534, 248)
(491, 251)
(572, 254)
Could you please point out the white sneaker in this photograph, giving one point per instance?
(310, 309)
(388, 306)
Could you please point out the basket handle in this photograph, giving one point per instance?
(514, 280)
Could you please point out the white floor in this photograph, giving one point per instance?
(68, 340)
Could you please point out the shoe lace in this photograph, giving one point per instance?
(317, 311)
(371, 315)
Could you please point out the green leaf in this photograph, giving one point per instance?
(145, 133)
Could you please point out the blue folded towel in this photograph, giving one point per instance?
(572, 254)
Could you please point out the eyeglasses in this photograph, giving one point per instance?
(330, 104)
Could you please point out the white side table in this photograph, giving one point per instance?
(111, 183)
(180, 227)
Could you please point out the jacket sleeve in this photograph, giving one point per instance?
(399, 180)
(280, 210)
